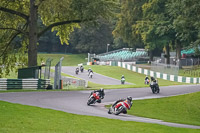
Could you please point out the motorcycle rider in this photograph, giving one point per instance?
(122, 77)
(154, 82)
(90, 71)
(81, 68)
(128, 100)
(101, 94)
(146, 79)
(77, 70)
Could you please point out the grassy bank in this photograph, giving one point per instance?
(179, 109)
(17, 118)
(69, 59)
(132, 77)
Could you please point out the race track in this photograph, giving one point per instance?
(97, 78)
(75, 101)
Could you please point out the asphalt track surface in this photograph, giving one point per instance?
(76, 101)
(97, 78)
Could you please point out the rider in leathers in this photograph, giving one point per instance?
(128, 100)
(101, 94)
(81, 68)
(155, 82)
(146, 78)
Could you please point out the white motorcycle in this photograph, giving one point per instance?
(90, 74)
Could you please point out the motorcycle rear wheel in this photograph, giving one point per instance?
(158, 90)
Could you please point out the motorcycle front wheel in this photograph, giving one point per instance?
(90, 101)
(158, 90)
(119, 110)
(153, 90)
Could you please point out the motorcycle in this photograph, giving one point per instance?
(82, 69)
(121, 107)
(93, 98)
(123, 81)
(146, 82)
(154, 87)
(90, 74)
(77, 72)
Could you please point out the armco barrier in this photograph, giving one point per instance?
(24, 83)
(164, 76)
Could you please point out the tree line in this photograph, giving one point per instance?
(29, 26)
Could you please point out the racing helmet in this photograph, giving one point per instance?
(129, 98)
(102, 89)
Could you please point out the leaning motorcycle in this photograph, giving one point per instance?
(82, 69)
(121, 107)
(155, 87)
(146, 82)
(123, 81)
(90, 74)
(93, 98)
(76, 71)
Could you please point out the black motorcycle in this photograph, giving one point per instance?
(154, 87)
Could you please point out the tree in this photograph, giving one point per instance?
(92, 39)
(185, 18)
(131, 12)
(19, 18)
(156, 27)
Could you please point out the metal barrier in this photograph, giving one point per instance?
(47, 68)
(57, 76)
(68, 81)
(24, 83)
(165, 68)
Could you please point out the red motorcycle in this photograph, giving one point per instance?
(93, 98)
(120, 107)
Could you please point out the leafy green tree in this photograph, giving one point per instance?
(92, 39)
(185, 15)
(156, 27)
(131, 12)
(19, 18)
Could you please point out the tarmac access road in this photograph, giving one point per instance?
(76, 101)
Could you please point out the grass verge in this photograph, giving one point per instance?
(27, 119)
(178, 109)
(132, 77)
(69, 59)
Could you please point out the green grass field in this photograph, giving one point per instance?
(69, 59)
(132, 77)
(178, 109)
(16, 118)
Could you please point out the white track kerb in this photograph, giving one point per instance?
(164, 76)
